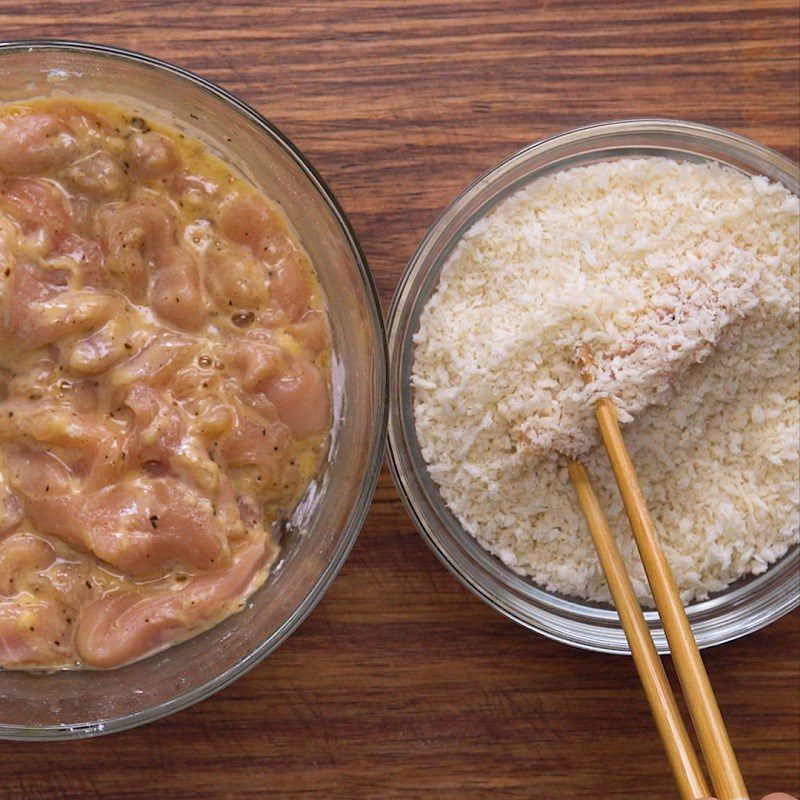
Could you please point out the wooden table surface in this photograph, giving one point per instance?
(401, 684)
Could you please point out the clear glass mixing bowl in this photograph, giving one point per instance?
(324, 527)
(744, 607)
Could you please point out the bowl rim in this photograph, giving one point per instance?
(373, 462)
(499, 597)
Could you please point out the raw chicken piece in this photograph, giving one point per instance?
(163, 432)
(150, 155)
(141, 247)
(299, 394)
(33, 632)
(49, 438)
(156, 363)
(34, 143)
(83, 256)
(36, 309)
(255, 443)
(35, 204)
(97, 175)
(21, 554)
(141, 526)
(250, 221)
(234, 278)
(124, 625)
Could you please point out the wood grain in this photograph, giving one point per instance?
(401, 684)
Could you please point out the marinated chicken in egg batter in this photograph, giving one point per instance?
(164, 375)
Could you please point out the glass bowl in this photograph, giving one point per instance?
(323, 529)
(745, 606)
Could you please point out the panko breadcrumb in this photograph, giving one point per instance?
(583, 259)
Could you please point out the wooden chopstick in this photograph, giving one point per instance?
(679, 749)
(709, 726)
